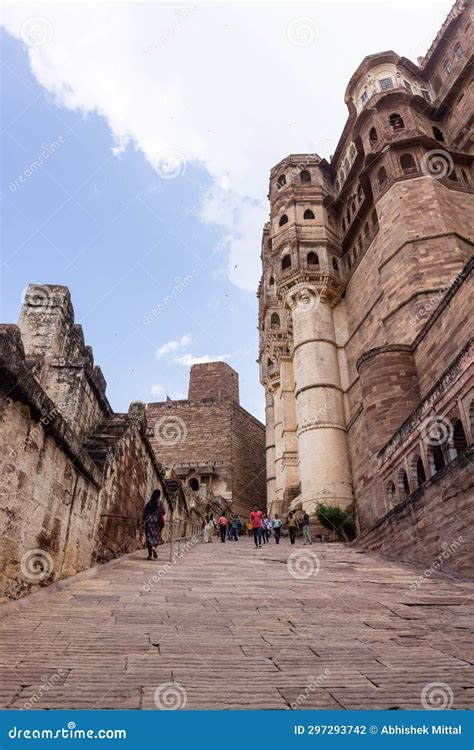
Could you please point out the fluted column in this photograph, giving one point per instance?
(270, 451)
(323, 456)
(279, 448)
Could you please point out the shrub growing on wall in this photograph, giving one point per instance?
(337, 520)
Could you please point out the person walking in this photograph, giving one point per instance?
(292, 526)
(234, 528)
(306, 531)
(249, 528)
(208, 529)
(276, 523)
(256, 517)
(267, 527)
(223, 524)
(153, 521)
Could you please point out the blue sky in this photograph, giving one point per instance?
(122, 239)
(161, 123)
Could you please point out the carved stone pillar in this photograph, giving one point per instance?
(270, 451)
(323, 456)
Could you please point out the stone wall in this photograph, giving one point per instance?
(433, 527)
(74, 476)
(212, 443)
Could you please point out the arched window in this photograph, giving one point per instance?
(403, 486)
(391, 492)
(335, 265)
(283, 220)
(366, 232)
(269, 363)
(312, 259)
(272, 281)
(286, 262)
(382, 176)
(353, 207)
(193, 484)
(435, 459)
(269, 244)
(459, 437)
(308, 214)
(281, 182)
(438, 134)
(360, 194)
(274, 320)
(373, 137)
(407, 164)
(305, 176)
(418, 473)
(396, 121)
(458, 51)
(375, 221)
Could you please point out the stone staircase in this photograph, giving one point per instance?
(104, 437)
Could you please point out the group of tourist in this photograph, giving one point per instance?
(259, 526)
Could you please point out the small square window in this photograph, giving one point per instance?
(386, 83)
(408, 86)
(458, 51)
(425, 94)
(447, 67)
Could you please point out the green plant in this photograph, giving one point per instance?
(337, 520)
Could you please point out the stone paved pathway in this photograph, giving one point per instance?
(229, 627)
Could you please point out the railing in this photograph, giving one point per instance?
(175, 528)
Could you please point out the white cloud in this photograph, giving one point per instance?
(220, 84)
(157, 390)
(172, 346)
(191, 359)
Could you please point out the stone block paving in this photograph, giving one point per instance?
(232, 627)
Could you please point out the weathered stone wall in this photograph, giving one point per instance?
(433, 527)
(212, 442)
(74, 476)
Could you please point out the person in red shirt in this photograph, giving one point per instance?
(256, 519)
(223, 523)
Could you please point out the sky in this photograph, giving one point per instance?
(153, 127)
